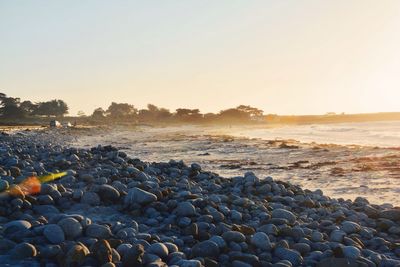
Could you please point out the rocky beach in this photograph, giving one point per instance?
(113, 208)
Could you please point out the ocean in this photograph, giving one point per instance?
(381, 134)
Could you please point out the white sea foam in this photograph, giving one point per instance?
(382, 134)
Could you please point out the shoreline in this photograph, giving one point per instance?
(114, 208)
(341, 171)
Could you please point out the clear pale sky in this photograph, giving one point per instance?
(286, 57)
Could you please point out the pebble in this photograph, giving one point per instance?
(139, 196)
(350, 227)
(205, 249)
(90, 198)
(71, 227)
(23, 251)
(76, 255)
(173, 214)
(102, 251)
(108, 193)
(337, 236)
(4, 185)
(98, 231)
(284, 214)
(158, 249)
(391, 214)
(351, 252)
(288, 254)
(233, 236)
(262, 241)
(54, 233)
(185, 209)
(17, 225)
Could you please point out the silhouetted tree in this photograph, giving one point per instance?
(253, 112)
(154, 114)
(98, 114)
(52, 108)
(28, 107)
(10, 107)
(122, 111)
(163, 114)
(188, 115)
(233, 114)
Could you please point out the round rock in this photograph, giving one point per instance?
(261, 241)
(284, 214)
(98, 231)
(185, 209)
(15, 226)
(71, 227)
(108, 193)
(205, 249)
(139, 196)
(54, 233)
(158, 249)
(90, 198)
(234, 236)
(23, 251)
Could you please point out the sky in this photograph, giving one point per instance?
(285, 57)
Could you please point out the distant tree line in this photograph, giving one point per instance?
(124, 112)
(13, 108)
